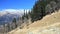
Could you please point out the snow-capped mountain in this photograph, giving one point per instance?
(7, 15)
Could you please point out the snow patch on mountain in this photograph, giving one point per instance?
(13, 11)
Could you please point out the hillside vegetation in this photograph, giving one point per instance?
(50, 24)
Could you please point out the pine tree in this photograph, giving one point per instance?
(38, 10)
(14, 21)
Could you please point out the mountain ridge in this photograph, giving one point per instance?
(8, 15)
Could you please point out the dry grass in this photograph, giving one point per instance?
(50, 24)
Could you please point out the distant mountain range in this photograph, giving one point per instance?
(6, 16)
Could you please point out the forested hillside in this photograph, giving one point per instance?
(42, 8)
(35, 16)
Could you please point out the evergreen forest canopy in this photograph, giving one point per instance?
(42, 8)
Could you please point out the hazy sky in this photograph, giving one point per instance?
(16, 4)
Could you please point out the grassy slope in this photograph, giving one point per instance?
(46, 23)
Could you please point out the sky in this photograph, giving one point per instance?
(16, 4)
